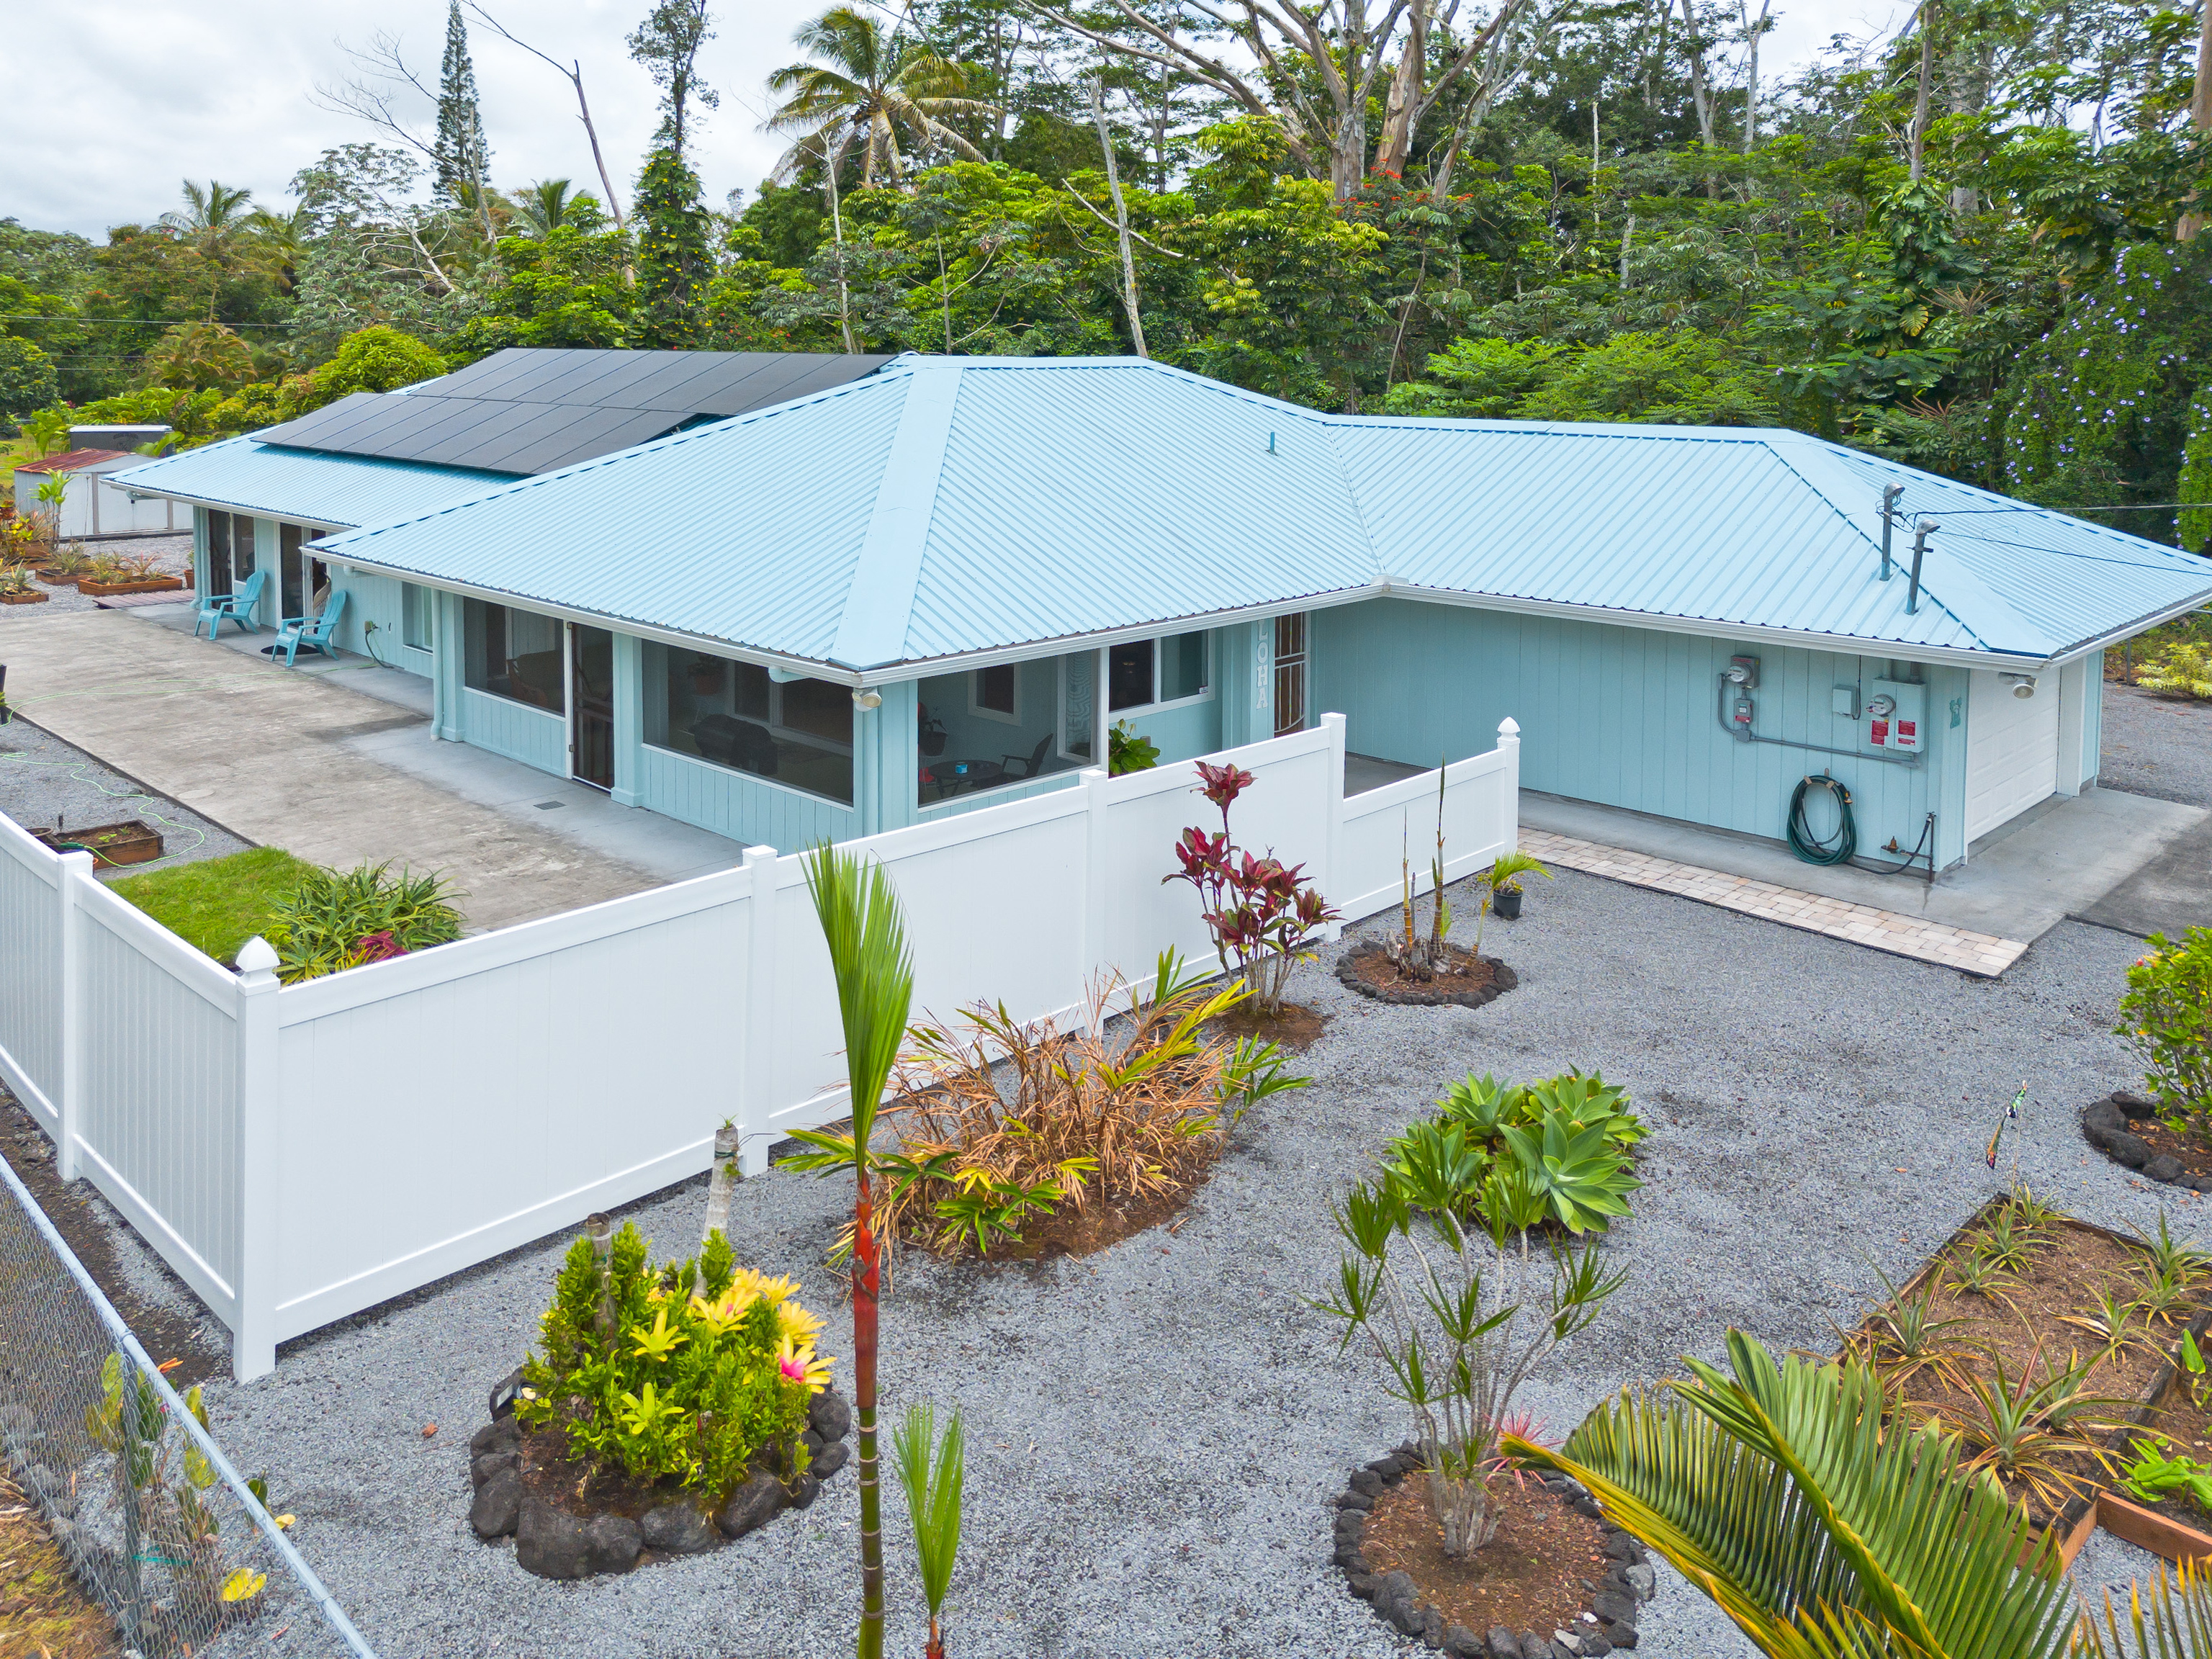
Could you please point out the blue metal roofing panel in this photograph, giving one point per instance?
(748, 531)
(1011, 502)
(338, 490)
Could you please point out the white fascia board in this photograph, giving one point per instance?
(215, 504)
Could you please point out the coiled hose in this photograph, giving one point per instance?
(1807, 846)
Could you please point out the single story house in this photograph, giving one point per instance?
(95, 505)
(938, 584)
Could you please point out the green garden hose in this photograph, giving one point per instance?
(1808, 847)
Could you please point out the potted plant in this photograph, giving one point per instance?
(1503, 882)
(930, 732)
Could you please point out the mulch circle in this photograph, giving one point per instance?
(570, 1521)
(2124, 1126)
(1465, 979)
(1558, 1578)
(1296, 1028)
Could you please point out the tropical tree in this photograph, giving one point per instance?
(933, 1486)
(550, 204)
(1822, 1531)
(216, 224)
(870, 88)
(860, 923)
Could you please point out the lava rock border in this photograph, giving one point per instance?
(553, 1543)
(2105, 1124)
(1609, 1625)
(1422, 994)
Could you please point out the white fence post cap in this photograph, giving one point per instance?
(1509, 727)
(256, 960)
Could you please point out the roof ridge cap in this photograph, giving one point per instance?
(878, 606)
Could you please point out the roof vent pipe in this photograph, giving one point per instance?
(1889, 494)
(1921, 532)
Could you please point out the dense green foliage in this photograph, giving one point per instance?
(2165, 1014)
(1559, 1149)
(333, 919)
(682, 1373)
(1611, 218)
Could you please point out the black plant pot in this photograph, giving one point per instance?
(1506, 902)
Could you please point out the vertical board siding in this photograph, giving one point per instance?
(515, 730)
(744, 808)
(30, 971)
(160, 1117)
(1627, 717)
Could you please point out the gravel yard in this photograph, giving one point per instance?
(44, 781)
(2156, 746)
(1155, 1432)
(173, 556)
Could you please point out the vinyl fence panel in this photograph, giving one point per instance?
(31, 974)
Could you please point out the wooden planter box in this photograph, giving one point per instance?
(2085, 1514)
(153, 585)
(110, 844)
(34, 596)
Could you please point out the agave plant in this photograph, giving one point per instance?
(1778, 1492)
(1581, 1179)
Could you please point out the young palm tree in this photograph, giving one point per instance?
(550, 204)
(869, 89)
(861, 923)
(1780, 1494)
(932, 1502)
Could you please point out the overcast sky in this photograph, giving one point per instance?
(112, 102)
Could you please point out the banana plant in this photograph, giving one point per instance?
(1823, 1532)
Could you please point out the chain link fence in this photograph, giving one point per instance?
(162, 1531)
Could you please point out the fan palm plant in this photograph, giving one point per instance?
(1778, 1492)
(868, 88)
(861, 923)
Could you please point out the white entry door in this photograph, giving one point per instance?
(2012, 748)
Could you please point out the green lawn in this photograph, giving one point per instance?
(220, 903)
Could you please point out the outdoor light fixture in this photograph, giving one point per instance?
(2023, 685)
(864, 698)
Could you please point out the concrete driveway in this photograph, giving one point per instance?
(295, 759)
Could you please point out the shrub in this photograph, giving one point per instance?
(1090, 1117)
(339, 919)
(1561, 1147)
(1264, 917)
(683, 1372)
(1129, 751)
(2183, 669)
(2166, 1014)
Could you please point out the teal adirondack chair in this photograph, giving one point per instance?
(237, 605)
(315, 631)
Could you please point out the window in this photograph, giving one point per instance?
(995, 693)
(416, 606)
(218, 553)
(511, 653)
(1146, 671)
(731, 714)
(241, 546)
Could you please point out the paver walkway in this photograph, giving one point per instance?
(1981, 954)
(262, 751)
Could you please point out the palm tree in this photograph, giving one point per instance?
(284, 238)
(212, 223)
(870, 88)
(549, 205)
(861, 923)
(1821, 1532)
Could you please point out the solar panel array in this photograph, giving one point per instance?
(531, 410)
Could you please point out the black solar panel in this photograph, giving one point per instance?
(530, 410)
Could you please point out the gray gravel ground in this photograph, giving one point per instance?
(1156, 1431)
(173, 556)
(43, 781)
(2156, 746)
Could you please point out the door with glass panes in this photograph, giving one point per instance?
(592, 705)
(1289, 674)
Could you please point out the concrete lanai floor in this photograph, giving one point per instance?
(335, 762)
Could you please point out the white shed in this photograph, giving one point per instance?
(97, 503)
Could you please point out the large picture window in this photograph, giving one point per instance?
(511, 653)
(1148, 673)
(731, 714)
(983, 728)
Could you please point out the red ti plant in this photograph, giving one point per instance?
(1263, 914)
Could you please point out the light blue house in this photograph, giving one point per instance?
(939, 584)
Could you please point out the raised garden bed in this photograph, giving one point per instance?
(2027, 1328)
(569, 1520)
(1557, 1578)
(91, 589)
(36, 596)
(2124, 1126)
(112, 845)
(1459, 978)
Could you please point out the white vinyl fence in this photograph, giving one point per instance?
(300, 1154)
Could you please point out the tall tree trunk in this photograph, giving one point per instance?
(2200, 117)
(1120, 214)
(837, 232)
(1751, 78)
(1397, 139)
(1700, 94)
(867, 1284)
(1920, 104)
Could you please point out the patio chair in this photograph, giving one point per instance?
(313, 632)
(1035, 767)
(237, 605)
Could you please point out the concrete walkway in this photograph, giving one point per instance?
(294, 760)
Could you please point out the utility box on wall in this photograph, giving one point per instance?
(1897, 717)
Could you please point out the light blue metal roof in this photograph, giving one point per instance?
(948, 506)
(339, 491)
